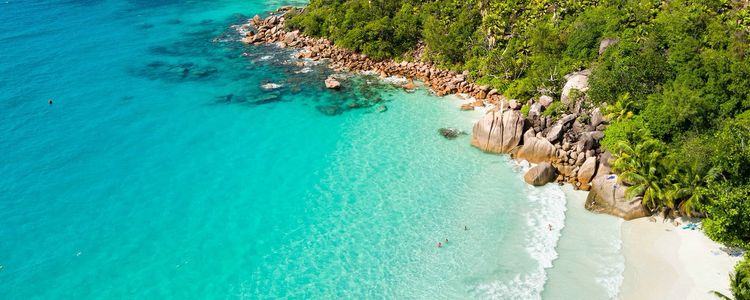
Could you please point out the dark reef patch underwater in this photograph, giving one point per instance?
(210, 51)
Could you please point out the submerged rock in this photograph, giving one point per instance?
(224, 99)
(381, 108)
(330, 110)
(450, 132)
(159, 70)
(265, 100)
(540, 174)
(270, 86)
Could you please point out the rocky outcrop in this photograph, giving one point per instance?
(587, 172)
(607, 196)
(576, 81)
(605, 164)
(569, 143)
(499, 132)
(545, 101)
(540, 174)
(332, 83)
(596, 117)
(555, 133)
(536, 150)
(272, 30)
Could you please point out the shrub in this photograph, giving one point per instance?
(727, 220)
(555, 110)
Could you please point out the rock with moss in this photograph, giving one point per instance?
(578, 81)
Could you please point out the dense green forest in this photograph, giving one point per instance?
(675, 84)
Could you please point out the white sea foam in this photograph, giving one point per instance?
(398, 80)
(270, 86)
(304, 70)
(547, 209)
(611, 276)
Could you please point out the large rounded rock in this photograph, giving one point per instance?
(545, 101)
(605, 164)
(530, 133)
(555, 133)
(332, 83)
(291, 37)
(596, 117)
(535, 110)
(607, 196)
(536, 150)
(587, 171)
(576, 81)
(585, 142)
(540, 174)
(498, 132)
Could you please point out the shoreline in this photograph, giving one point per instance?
(441, 82)
(681, 264)
(684, 263)
(588, 242)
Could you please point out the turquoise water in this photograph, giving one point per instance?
(164, 170)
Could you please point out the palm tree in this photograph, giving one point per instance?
(621, 110)
(688, 189)
(641, 168)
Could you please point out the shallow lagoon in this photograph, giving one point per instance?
(164, 169)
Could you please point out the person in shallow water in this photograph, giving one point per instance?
(440, 245)
(549, 226)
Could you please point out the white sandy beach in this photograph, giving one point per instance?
(667, 262)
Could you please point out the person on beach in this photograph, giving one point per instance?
(549, 226)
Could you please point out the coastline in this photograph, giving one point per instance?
(661, 261)
(589, 242)
(685, 264)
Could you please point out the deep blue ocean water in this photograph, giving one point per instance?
(163, 169)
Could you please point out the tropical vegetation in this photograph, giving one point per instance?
(739, 283)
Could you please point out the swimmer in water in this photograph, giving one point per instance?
(50, 101)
